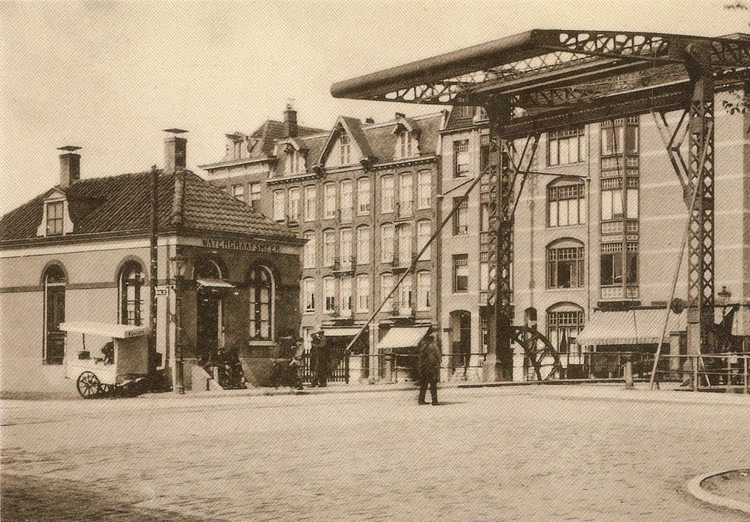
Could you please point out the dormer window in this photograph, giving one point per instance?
(404, 148)
(55, 218)
(345, 149)
(295, 162)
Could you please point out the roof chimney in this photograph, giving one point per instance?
(175, 151)
(70, 166)
(369, 120)
(290, 122)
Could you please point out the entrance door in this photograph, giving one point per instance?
(209, 322)
(54, 339)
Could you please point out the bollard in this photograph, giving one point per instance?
(629, 375)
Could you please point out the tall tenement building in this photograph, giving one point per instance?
(598, 229)
(364, 196)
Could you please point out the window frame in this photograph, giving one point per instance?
(460, 280)
(461, 168)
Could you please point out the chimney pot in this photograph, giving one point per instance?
(290, 122)
(175, 151)
(369, 120)
(70, 166)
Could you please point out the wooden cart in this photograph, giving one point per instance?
(105, 358)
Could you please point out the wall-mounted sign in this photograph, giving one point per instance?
(250, 246)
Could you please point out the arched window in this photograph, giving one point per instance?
(564, 322)
(54, 314)
(130, 282)
(208, 269)
(565, 264)
(260, 291)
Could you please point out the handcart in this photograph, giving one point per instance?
(105, 358)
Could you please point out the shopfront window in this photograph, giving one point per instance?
(130, 283)
(260, 290)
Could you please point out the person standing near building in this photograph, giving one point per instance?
(319, 359)
(428, 369)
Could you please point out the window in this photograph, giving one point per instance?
(387, 194)
(363, 293)
(238, 191)
(279, 210)
(424, 189)
(261, 296)
(405, 147)
(345, 291)
(363, 196)
(424, 286)
(345, 149)
(386, 285)
(329, 247)
(295, 162)
(329, 201)
(363, 246)
(329, 292)
(404, 245)
(566, 146)
(405, 198)
(461, 273)
(308, 251)
(310, 202)
(612, 201)
(611, 264)
(294, 194)
(255, 195)
(345, 246)
(566, 205)
(460, 158)
(461, 216)
(484, 153)
(308, 294)
(386, 243)
(565, 266)
(622, 132)
(130, 283)
(424, 233)
(347, 203)
(404, 292)
(55, 218)
(564, 323)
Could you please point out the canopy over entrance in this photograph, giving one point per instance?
(629, 327)
(399, 337)
(556, 78)
(340, 332)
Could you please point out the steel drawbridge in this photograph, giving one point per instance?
(544, 80)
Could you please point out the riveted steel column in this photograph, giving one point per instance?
(701, 230)
(500, 360)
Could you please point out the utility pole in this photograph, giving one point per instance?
(154, 276)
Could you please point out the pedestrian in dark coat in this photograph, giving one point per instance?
(319, 359)
(428, 369)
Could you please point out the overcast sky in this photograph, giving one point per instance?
(109, 77)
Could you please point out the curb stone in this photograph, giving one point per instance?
(695, 489)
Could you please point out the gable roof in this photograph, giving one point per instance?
(121, 204)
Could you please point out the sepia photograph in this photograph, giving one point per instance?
(461, 260)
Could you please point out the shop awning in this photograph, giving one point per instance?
(629, 327)
(399, 337)
(214, 283)
(341, 332)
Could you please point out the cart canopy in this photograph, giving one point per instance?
(116, 331)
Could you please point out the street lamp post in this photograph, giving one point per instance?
(178, 268)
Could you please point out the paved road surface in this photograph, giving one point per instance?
(531, 453)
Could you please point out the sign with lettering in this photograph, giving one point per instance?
(234, 244)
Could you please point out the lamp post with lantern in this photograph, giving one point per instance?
(179, 264)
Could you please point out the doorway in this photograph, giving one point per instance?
(460, 327)
(209, 327)
(54, 338)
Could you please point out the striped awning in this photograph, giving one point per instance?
(402, 337)
(630, 327)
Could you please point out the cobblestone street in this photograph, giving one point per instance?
(505, 453)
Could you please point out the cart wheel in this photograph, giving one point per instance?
(105, 389)
(88, 385)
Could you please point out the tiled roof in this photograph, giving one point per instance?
(122, 204)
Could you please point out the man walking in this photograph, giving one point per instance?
(428, 369)
(319, 359)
